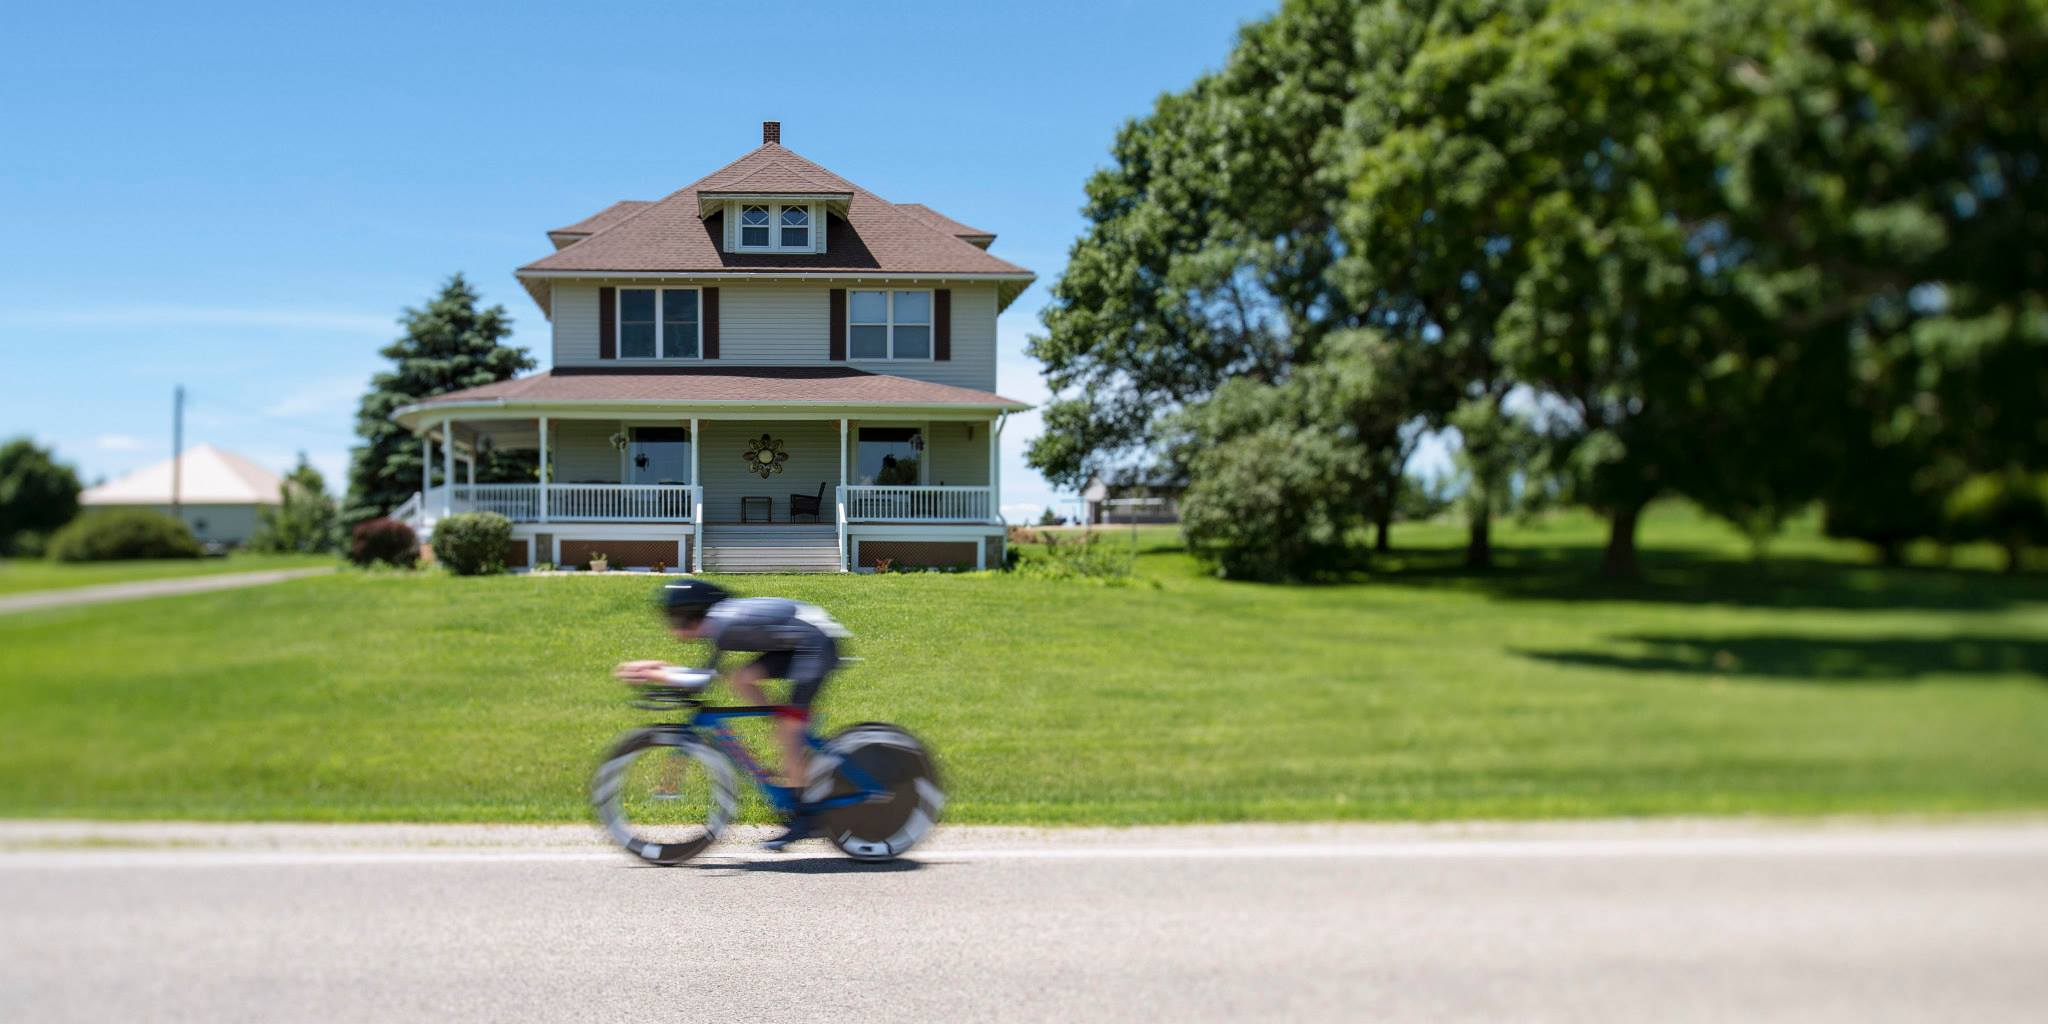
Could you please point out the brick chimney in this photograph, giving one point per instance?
(771, 131)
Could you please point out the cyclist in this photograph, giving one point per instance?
(795, 641)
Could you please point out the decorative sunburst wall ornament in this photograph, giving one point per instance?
(765, 456)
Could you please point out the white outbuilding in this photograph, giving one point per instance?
(218, 493)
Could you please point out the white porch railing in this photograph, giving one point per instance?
(904, 504)
(521, 503)
(622, 502)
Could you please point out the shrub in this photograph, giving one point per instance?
(118, 534)
(472, 543)
(1089, 556)
(384, 540)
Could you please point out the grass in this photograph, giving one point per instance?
(1810, 683)
(20, 575)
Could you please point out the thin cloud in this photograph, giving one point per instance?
(188, 316)
(119, 443)
(335, 397)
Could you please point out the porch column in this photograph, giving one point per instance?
(543, 469)
(839, 496)
(426, 468)
(447, 467)
(995, 469)
(469, 472)
(696, 502)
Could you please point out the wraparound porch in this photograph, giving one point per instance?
(724, 492)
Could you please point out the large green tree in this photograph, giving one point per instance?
(449, 344)
(1209, 244)
(38, 494)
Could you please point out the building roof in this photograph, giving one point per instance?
(605, 218)
(872, 235)
(775, 174)
(978, 237)
(207, 476)
(717, 385)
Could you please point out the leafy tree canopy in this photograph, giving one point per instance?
(38, 494)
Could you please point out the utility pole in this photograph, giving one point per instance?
(177, 449)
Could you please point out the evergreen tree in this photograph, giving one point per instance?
(304, 521)
(448, 346)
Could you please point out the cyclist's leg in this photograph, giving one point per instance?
(809, 667)
(746, 683)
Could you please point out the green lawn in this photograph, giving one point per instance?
(19, 575)
(1809, 683)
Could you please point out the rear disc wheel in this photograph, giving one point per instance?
(904, 811)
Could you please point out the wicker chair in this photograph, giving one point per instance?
(807, 504)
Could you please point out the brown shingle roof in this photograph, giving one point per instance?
(776, 175)
(605, 218)
(943, 222)
(818, 385)
(875, 235)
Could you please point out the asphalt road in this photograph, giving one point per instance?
(1598, 922)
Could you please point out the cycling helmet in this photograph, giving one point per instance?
(688, 600)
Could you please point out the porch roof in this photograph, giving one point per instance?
(752, 386)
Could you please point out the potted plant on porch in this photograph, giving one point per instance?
(598, 562)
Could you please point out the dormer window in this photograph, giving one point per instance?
(796, 227)
(775, 227)
(753, 227)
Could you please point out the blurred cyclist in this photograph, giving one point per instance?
(795, 641)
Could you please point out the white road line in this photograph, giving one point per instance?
(2032, 843)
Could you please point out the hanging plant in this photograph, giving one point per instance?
(765, 456)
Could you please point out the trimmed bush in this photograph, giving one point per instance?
(384, 540)
(122, 534)
(472, 543)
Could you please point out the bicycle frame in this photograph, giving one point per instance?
(711, 722)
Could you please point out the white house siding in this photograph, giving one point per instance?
(957, 460)
(772, 323)
(583, 452)
(813, 447)
(575, 317)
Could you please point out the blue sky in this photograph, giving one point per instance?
(242, 198)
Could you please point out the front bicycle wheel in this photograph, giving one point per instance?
(664, 795)
(906, 797)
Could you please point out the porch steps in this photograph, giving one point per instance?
(771, 548)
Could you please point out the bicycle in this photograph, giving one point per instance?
(666, 792)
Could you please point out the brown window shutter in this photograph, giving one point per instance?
(942, 323)
(607, 323)
(710, 315)
(836, 348)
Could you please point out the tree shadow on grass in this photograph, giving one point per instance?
(1819, 659)
(1570, 573)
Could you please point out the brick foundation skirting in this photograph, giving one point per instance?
(918, 554)
(623, 553)
(515, 554)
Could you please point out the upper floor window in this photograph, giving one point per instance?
(889, 325)
(754, 227)
(660, 323)
(796, 227)
(775, 227)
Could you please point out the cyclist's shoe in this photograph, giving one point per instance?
(802, 826)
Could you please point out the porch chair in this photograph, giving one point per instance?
(807, 505)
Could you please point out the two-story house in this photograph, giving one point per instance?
(770, 369)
